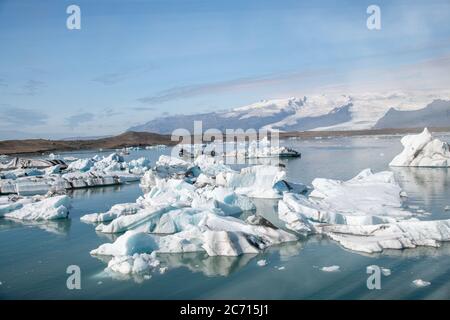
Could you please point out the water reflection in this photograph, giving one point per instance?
(59, 227)
(428, 186)
(92, 191)
(210, 266)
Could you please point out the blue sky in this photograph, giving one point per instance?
(136, 60)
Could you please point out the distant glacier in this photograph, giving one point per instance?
(320, 112)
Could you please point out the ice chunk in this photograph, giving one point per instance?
(45, 209)
(211, 166)
(333, 268)
(422, 150)
(168, 168)
(421, 283)
(129, 243)
(295, 219)
(254, 181)
(222, 198)
(261, 262)
(121, 209)
(135, 264)
(386, 272)
(138, 166)
(401, 235)
(82, 165)
(113, 162)
(12, 203)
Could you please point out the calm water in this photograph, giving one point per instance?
(34, 257)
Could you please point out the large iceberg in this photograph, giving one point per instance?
(366, 199)
(178, 199)
(422, 150)
(362, 214)
(201, 231)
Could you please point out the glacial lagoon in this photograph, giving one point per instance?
(34, 256)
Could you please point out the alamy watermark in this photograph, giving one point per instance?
(73, 282)
(374, 280)
(73, 21)
(374, 20)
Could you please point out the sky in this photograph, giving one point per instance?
(136, 60)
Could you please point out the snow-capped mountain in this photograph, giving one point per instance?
(318, 112)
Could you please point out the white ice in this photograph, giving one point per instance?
(401, 235)
(82, 173)
(421, 283)
(333, 268)
(422, 150)
(39, 209)
(207, 232)
(366, 199)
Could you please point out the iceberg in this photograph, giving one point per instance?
(207, 232)
(81, 173)
(363, 214)
(422, 150)
(135, 264)
(367, 199)
(401, 235)
(121, 209)
(40, 209)
(256, 150)
(174, 198)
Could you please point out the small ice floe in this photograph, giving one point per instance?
(386, 272)
(330, 269)
(261, 262)
(99, 282)
(421, 283)
(422, 150)
(162, 270)
(447, 208)
(281, 268)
